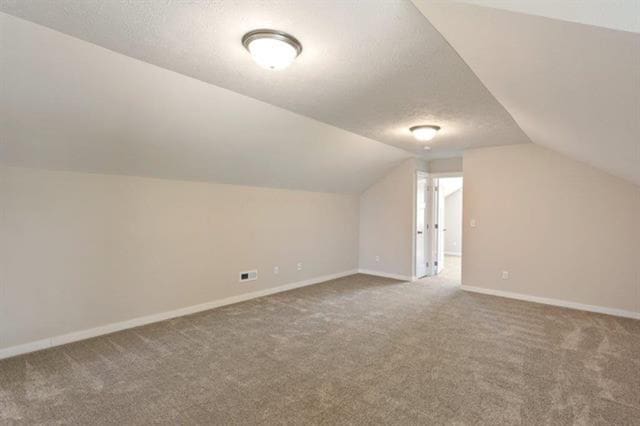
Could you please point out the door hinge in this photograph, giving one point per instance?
(435, 263)
(436, 226)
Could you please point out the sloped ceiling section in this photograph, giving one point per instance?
(614, 14)
(68, 104)
(571, 87)
(374, 68)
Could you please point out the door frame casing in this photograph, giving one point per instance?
(430, 217)
(414, 241)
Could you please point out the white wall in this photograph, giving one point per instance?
(564, 230)
(83, 250)
(386, 222)
(453, 223)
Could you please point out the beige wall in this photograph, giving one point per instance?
(386, 222)
(84, 250)
(562, 229)
(445, 165)
(387, 217)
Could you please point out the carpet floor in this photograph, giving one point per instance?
(357, 350)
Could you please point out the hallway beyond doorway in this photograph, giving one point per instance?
(452, 271)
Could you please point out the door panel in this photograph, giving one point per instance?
(441, 229)
(421, 222)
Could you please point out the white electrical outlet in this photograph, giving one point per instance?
(299, 266)
(505, 275)
(248, 275)
(276, 270)
(377, 258)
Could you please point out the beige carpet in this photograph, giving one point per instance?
(358, 350)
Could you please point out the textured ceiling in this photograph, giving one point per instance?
(374, 69)
(614, 14)
(68, 104)
(571, 87)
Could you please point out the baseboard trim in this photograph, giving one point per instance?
(148, 319)
(553, 302)
(385, 275)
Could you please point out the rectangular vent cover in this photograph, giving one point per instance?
(248, 275)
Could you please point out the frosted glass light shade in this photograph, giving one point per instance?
(424, 133)
(273, 50)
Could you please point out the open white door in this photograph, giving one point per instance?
(431, 215)
(440, 227)
(421, 251)
(430, 226)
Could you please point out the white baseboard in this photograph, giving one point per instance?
(554, 302)
(385, 275)
(136, 322)
(453, 253)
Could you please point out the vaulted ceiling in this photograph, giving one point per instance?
(568, 72)
(166, 88)
(371, 70)
(68, 105)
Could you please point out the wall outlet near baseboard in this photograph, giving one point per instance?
(377, 258)
(276, 270)
(505, 275)
(249, 275)
(299, 266)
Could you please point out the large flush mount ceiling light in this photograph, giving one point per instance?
(271, 49)
(424, 133)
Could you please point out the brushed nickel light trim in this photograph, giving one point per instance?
(436, 128)
(415, 130)
(272, 34)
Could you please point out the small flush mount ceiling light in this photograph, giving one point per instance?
(424, 133)
(271, 49)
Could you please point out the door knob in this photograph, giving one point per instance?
(419, 232)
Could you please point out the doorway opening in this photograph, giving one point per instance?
(438, 230)
(448, 227)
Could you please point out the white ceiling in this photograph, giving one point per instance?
(67, 104)
(571, 87)
(374, 69)
(621, 15)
